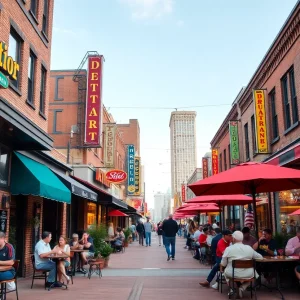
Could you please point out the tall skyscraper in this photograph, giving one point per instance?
(183, 148)
(159, 201)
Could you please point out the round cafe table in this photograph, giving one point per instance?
(75, 257)
(57, 258)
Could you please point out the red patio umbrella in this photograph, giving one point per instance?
(248, 178)
(202, 208)
(116, 213)
(223, 200)
(295, 213)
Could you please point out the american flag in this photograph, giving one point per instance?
(249, 217)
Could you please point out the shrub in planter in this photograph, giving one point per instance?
(105, 253)
(98, 234)
(127, 234)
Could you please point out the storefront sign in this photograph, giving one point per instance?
(130, 171)
(137, 176)
(146, 208)
(109, 145)
(204, 167)
(260, 121)
(3, 220)
(137, 204)
(8, 66)
(93, 114)
(116, 176)
(234, 143)
(215, 161)
(183, 193)
(100, 177)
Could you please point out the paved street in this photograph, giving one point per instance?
(141, 274)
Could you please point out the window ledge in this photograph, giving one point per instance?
(42, 115)
(34, 17)
(274, 141)
(45, 36)
(30, 104)
(59, 99)
(291, 128)
(16, 90)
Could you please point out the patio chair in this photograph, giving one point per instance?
(221, 279)
(41, 274)
(4, 282)
(243, 264)
(70, 269)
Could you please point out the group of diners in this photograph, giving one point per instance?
(43, 254)
(241, 245)
(116, 238)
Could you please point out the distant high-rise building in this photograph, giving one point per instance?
(159, 201)
(183, 148)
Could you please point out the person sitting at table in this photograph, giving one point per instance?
(239, 251)
(41, 255)
(203, 243)
(248, 238)
(266, 245)
(119, 239)
(74, 243)
(88, 244)
(195, 239)
(7, 256)
(63, 248)
(293, 244)
(214, 243)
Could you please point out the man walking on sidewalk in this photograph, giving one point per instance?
(148, 231)
(170, 228)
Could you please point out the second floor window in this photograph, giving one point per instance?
(229, 157)
(14, 50)
(293, 96)
(45, 17)
(253, 132)
(225, 160)
(274, 118)
(43, 90)
(220, 162)
(33, 6)
(246, 141)
(31, 78)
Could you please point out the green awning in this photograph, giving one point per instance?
(29, 177)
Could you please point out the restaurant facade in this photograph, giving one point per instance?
(263, 126)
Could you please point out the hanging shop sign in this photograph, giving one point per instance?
(137, 176)
(204, 167)
(93, 113)
(260, 121)
(130, 170)
(8, 67)
(234, 143)
(116, 176)
(183, 192)
(215, 161)
(109, 145)
(137, 204)
(3, 220)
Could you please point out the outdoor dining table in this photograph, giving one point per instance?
(57, 258)
(74, 258)
(276, 263)
(3, 269)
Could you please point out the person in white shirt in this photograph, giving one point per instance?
(239, 251)
(215, 225)
(293, 245)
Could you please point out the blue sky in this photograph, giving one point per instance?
(168, 53)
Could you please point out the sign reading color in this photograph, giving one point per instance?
(260, 121)
(93, 113)
(234, 143)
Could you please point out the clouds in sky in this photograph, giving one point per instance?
(149, 9)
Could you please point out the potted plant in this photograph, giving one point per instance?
(98, 234)
(105, 253)
(127, 234)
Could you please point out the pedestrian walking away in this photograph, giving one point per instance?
(170, 228)
(148, 231)
(159, 232)
(141, 231)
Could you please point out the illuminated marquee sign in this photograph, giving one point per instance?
(137, 176)
(109, 145)
(130, 169)
(8, 66)
(204, 167)
(215, 161)
(93, 113)
(234, 143)
(183, 193)
(260, 121)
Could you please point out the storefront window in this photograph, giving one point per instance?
(4, 164)
(91, 214)
(287, 202)
(99, 214)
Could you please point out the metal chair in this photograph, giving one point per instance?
(42, 274)
(14, 279)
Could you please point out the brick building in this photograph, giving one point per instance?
(28, 185)
(279, 76)
(130, 133)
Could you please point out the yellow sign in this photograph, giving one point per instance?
(7, 64)
(260, 121)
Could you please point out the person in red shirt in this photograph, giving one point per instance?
(221, 246)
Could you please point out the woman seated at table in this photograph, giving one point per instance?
(119, 238)
(63, 248)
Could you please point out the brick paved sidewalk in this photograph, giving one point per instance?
(142, 274)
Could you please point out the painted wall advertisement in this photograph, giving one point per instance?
(234, 143)
(260, 121)
(215, 161)
(183, 192)
(131, 170)
(93, 112)
(109, 145)
(137, 176)
(204, 167)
